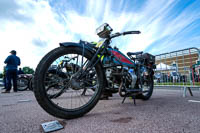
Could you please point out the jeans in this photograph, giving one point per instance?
(5, 82)
(11, 75)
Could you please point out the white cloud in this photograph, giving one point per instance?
(36, 22)
(81, 25)
(19, 35)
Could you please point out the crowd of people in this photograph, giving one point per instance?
(11, 71)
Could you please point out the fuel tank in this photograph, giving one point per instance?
(118, 58)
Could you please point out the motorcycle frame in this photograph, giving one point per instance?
(102, 51)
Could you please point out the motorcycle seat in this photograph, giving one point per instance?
(134, 53)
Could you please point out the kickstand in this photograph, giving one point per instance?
(84, 91)
(124, 99)
(134, 100)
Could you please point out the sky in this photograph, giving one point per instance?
(35, 27)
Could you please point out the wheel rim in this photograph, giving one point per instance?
(57, 84)
(22, 83)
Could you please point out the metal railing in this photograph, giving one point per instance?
(179, 68)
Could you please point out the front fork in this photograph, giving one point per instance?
(91, 63)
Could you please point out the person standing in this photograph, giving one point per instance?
(12, 62)
(4, 78)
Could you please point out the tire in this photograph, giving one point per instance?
(22, 84)
(49, 104)
(148, 94)
(30, 85)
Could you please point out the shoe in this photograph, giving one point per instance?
(5, 92)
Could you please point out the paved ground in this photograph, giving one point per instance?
(166, 112)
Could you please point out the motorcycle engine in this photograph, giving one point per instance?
(114, 76)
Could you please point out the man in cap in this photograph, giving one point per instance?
(12, 62)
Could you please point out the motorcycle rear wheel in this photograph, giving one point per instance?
(58, 107)
(147, 95)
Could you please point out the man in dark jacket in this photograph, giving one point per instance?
(12, 62)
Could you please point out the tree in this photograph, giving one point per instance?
(27, 70)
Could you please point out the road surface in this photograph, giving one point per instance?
(166, 112)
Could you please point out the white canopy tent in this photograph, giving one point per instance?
(164, 67)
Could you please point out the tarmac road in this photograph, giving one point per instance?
(166, 112)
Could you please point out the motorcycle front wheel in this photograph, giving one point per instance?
(71, 104)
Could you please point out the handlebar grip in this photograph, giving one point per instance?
(131, 32)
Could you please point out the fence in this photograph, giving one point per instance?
(178, 68)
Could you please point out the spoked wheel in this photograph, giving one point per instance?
(90, 82)
(30, 85)
(22, 84)
(54, 84)
(147, 88)
(60, 92)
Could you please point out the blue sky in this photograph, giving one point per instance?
(34, 27)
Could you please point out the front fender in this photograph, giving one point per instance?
(81, 44)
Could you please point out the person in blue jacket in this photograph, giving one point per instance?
(12, 62)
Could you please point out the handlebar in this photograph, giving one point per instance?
(131, 32)
(124, 33)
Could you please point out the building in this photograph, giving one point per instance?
(181, 61)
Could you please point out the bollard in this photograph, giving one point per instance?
(184, 91)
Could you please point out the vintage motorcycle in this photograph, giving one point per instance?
(23, 81)
(82, 71)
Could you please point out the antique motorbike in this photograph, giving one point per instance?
(23, 81)
(70, 79)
